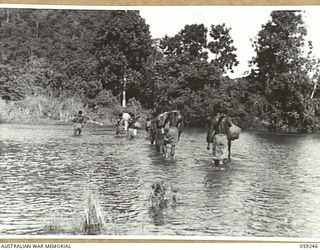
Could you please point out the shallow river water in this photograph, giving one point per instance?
(271, 187)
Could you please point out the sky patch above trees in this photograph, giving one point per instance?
(244, 21)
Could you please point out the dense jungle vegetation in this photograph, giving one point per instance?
(55, 62)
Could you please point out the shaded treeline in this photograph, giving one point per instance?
(89, 56)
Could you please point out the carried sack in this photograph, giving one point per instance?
(234, 132)
(137, 125)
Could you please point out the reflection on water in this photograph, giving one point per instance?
(270, 188)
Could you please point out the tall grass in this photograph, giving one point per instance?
(39, 109)
(89, 220)
(46, 109)
(93, 218)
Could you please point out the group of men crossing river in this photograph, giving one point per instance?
(127, 124)
(164, 130)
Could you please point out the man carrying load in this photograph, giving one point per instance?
(221, 131)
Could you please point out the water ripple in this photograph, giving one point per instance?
(270, 187)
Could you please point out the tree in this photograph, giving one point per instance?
(51, 49)
(189, 74)
(222, 48)
(122, 48)
(283, 67)
(190, 41)
(279, 46)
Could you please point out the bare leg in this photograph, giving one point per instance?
(164, 149)
(216, 163)
(209, 138)
(130, 133)
(161, 147)
(173, 149)
(77, 131)
(152, 136)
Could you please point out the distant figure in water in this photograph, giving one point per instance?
(173, 126)
(127, 124)
(149, 129)
(79, 122)
(123, 123)
(148, 124)
(218, 135)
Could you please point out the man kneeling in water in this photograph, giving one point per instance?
(162, 195)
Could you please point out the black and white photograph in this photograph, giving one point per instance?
(160, 121)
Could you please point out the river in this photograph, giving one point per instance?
(271, 187)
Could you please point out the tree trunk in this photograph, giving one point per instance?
(314, 90)
(37, 29)
(8, 15)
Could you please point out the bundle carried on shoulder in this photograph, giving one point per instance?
(234, 132)
(137, 125)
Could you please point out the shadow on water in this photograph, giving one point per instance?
(157, 215)
(217, 178)
(162, 161)
(161, 167)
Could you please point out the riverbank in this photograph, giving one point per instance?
(43, 109)
(39, 109)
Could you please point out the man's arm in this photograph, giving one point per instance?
(228, 121)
